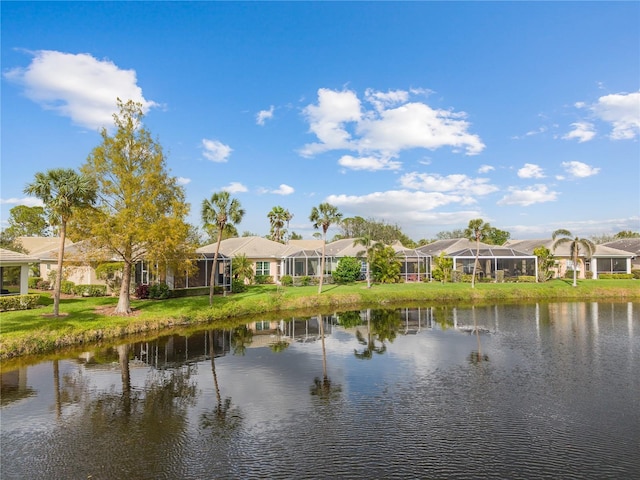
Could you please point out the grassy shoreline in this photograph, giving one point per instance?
(87, 320)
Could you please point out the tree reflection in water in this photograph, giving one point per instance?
(241, 337)
(323, 388)
(369, 343)
(476, 357)
(224, 417)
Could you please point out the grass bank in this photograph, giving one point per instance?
(88, 320)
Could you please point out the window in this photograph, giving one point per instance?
(262, 268)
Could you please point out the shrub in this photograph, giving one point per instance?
(263, 279)
(526, 279)
(616, 276)
(159, 291)
(635, 274)
(286, 280)
(304, 281)
(90, 290)
(19, 302)
(33, 281)
(499, 276)
(67, 287)
(142, 291)
(43, 285)
(238, 286)
(348, 270)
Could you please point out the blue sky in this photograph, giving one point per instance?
(424, 114)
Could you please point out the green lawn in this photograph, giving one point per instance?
(83, 320)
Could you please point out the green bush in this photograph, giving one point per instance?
(19, 302)
(159, 291)
(67, 287)
(348, 270)
(526, 279)
(286, 280)
(616, 276)
(636, 274)
(304, 281)
(33, 282)
(43, 285)
(238, 286)
(90, 290)
(263, 279)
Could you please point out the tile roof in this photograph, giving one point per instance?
(563, 250)
(11, 257)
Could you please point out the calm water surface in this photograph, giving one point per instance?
(506, 392)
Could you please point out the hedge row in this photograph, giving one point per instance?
(19, 302)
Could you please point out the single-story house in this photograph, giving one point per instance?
(603, 260)
(14, 272)
(265, 254)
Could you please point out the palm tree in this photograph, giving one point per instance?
(367, 242)
(242, 267)
(278, 216)
(222, 212)
(323, 216)
(574, 247)
(477, 230)
(63, 191)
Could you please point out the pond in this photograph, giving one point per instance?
(507, 391)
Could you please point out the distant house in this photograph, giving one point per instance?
(603, 260)
(41, 248)
(14, 272)
(266, 255)
(491, 258)
(629, 245)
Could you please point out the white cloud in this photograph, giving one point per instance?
(528, 196)
(183, 181)
(381, 100)
(26, 201)
(531, 170)
(235, 187)
(415, 210)
(370, 163)
(327, 119)
(582, 131)
(264, 115)
(622, 110)
(283, 190)
(456, 183)
(339, 122)
(485, 169)
(579, 169)
(78, 86)
(215, 151)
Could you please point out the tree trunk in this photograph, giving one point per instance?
(58, 283)
(475, 263)
(214, 270)
(324, 242)
(124, 304)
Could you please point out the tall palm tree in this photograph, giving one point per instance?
(323, 216)
(575, 243)
(278, 216)
(477, 230)
(63, 191)
(220, 211)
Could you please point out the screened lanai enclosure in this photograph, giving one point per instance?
(415, 265)
(495, 263)
(200, 277)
